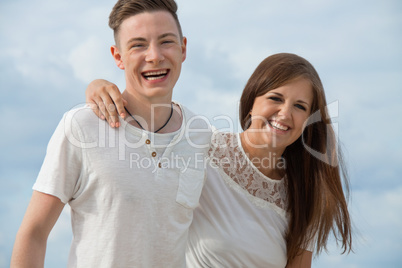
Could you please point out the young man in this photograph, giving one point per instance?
(132, 190)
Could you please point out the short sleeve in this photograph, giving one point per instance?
(312, 243)
(62, 166)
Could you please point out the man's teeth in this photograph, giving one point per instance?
(278, 126)
(155, 75)
(151, 78)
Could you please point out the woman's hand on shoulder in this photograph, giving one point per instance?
(106, 101)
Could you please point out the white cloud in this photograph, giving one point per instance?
(377, 220)
(92, 59)
(379, 209)
(50, 50)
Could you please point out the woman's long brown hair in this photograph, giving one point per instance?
(317, 203)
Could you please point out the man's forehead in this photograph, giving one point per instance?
(148, 19)
(149, 24)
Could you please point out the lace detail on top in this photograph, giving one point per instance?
(227, 154)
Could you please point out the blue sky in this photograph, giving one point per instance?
(50, 51)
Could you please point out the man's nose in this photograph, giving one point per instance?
(154, 54)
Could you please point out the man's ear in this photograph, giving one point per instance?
(117, 56)
(184, 49)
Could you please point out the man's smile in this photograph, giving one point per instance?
(154, 75)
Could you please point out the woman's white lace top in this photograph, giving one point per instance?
(241, 220)
(240, 173)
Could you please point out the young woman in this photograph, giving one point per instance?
(274, 192)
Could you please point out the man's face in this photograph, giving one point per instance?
(151, 53)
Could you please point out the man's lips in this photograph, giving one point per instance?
(154, 75)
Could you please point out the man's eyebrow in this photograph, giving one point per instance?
(136, 39)
(167, 35)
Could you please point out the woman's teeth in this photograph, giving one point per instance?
(278, 126)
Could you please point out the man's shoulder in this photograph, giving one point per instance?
(82, 115)
(186, 111)
(190, 117)
(84, 118)
(197, 129)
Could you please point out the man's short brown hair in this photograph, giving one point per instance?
(124, 9)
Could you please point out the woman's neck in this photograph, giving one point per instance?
(267, 160)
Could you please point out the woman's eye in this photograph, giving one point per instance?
(301, 107)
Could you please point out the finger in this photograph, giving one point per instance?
(117, 99)
(94, 102)
(116, 106)
(96, 110)
(119, 103)
(102, 109)
(125, 103)
(97, 107)
(102, 92)
(110, 110)
(114, 117)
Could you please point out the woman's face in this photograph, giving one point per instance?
(278, 115)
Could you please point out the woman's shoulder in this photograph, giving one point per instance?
(222, 142)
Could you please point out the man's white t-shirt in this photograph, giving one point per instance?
(131, 203)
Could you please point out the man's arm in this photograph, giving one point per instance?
(106, 101)
(30, 243)
(301, 261)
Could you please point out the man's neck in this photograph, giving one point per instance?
(152, 114)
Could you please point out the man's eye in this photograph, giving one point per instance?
(167, 42)
(137, 45)
(275, 98)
